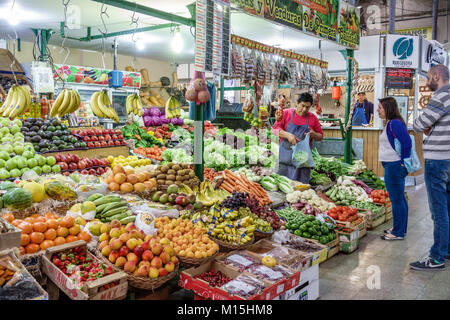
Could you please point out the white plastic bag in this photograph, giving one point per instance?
(141, 225)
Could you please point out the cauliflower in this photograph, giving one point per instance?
(294, 197)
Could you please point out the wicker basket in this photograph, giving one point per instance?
(226, 247)
(261, 235)
(190, 262)
(141, 282)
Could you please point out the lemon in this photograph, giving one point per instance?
(110, 159)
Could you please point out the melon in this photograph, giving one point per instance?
(17, 199)
(6, 185)
(36, 189)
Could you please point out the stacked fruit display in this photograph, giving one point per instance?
(100, 138)
(49, 135)
(188, 240)
(132, 161)
(175, 196)
(129, 180)
(134, 252)
(73, 163)
(173, 173)
(40, 232)
(102, 107)
(264, 212)
(81, 268)
(107, 208)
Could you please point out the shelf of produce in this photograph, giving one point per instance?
(278, 198)
(86, 128)
(95, 152)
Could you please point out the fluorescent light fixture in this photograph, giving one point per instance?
(177, 43)
(140, 45)
(18, 14)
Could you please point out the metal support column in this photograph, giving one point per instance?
(222, 91)
(392, 16)
(435, 18)
(348, 53)
(44, 36)
(198, 140)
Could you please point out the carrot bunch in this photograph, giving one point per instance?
(240, 183)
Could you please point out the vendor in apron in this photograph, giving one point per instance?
(292, 125)
(363, 110)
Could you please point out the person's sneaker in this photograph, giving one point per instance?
(427, 263)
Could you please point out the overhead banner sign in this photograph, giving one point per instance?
(333, 20)
(402, 51)
(424, 32)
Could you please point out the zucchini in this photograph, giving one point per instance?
(285, 187)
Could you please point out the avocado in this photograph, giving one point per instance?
(69, 146)
(64, 138)
(55, 138)
(53, 148)
(43, 149)
(63, 126)
(39, 123)
(37, 148)
(44, 127)
(25, 129)
(57, 133)
(48, 135)
(164, 198)
(62, 147)
(43, 143)
(36, 138)
(55, 122)
(41, 133)
(34, 128)
(57, 142)
(51, 129)
(156, 196)
(77, 145)
(27, 139)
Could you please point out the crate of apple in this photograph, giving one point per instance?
(100, 138)
(71, 162)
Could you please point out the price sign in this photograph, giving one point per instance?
(42, 76)
(399, 78)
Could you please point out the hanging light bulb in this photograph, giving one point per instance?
(140, 45)
(177, 41)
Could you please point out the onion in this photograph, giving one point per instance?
(191, 95)
(203, 96)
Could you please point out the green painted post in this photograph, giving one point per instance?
(348, 99)
(198, 140)
(222, 91)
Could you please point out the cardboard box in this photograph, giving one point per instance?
(349, 247)
(316, 256)
(92, 292)
(348, 239)
(306, 291)
(10, 239)
(12, 254)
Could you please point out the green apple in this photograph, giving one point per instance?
(4, 130)
(51, 160)
(29, 148)
(4, 155)
(22, 171)
(18, 123)
(4, 174)
(46, 169)
(18, 149)
(28, 154)
(7, 139)
(41, 159)
(14, 129)
(8, 148)
(15, 173)
(2, 163)
(56, 169)
(10, 164)
(31, 163)
(38, 170)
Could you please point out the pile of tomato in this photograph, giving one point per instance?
(154, 152)
(345, 214)
(379, 196)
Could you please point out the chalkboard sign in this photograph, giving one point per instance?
(399, 78)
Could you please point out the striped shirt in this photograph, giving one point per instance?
(436, 146)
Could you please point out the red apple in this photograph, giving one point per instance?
(110, 143)
(58, 157)
(100, 171)
(114, 137)
(117, 143)
(73, 166)
(90, 145)
(84, 171)
(97, 144)
(107, 137)
(88, 163)
(118, 131)
(101, 138)
(81, 165)
(75, 158)
(87, 139)
(66, 173)
(63, 165)
(92, 171)
(123, 251)
(103, 143)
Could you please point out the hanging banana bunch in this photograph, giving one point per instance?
(102, 107)
(67, 102)
(134, 105)
(17, 102)
(173, 108)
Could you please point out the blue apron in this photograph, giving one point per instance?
(285, 154)
(359, 115)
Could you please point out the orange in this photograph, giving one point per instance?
(114, 186)
(40, 219)
(67, 221)
(50, 234)
(36, 215)
(24, 239)
(71, 238)
(52, 224)
(47, 244)
(48, 215)
(37, 237)
(75, 230)
(62, 232)
(8, 217)
(22, 250)
(25, 227)
(59, 240)
(16, 222)
(83, 235)
(39, 226)
(29, 220)
(32, 248)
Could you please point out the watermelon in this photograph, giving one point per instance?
(6, 185)
(17, 199)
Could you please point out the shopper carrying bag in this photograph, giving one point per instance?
(393, 163)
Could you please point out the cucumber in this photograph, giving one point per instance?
(115, 211)
(106, 200)
(128, 219)
(113, 205)
(94, 197)
(119, 216)
(100, 208)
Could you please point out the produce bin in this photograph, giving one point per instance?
(331, 246)
(388, 209)
(318, 252)
(348, 239)
(362, 226)
(373, 220)
(92, 292)
(10, 239)
(12, 255)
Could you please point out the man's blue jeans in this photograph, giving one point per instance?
(394, 178)
(437, 180)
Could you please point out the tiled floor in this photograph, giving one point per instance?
(347, 276)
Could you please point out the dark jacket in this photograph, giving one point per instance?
(397, 129)
(368, 108)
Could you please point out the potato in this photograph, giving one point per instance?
(164, 169)
(169, 182)
(171, 172)
(171, 177)
(179, 178)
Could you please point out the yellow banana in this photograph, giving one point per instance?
(21, 102)
(94, 105)
(13, 103)
(101, 102)
(9, 99)
(77, 102)
(67, 106)
(22, 107)
(57, 103)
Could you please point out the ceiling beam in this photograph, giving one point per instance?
(134, 7)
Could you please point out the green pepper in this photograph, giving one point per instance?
(298, 233)
(295, 226)
(324, 229)
(324, 240)
(312, 230)
(319, 233)
(306, 235)
(316, 222)
(309, 224)
(315, 237)
(311, 218)
(303, 227)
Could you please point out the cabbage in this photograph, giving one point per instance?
(146, 112)
(156, 120)
(155, 111)
(148, 121)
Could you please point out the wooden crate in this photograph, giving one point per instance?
(376, 222)
(95, 152)
(10, 239)
(332, 252)
(388, 212)
(92, 291)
